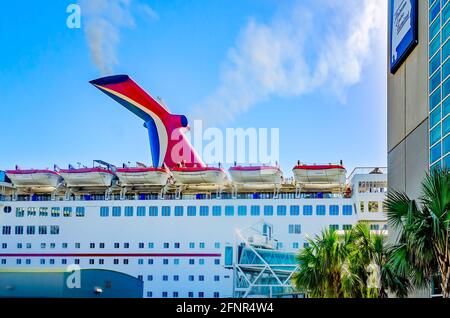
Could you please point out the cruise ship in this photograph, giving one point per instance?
(175, 228)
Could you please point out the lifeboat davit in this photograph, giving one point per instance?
(34, 178)
(199, 175)
(256, 174)
(142, 176)
(326, 174)
(87, 177)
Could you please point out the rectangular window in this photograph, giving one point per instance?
(165, 211)
(294, 229)
(191, 210)
(79, 211)
(19, 230)
(362, 206)
(178, 211)
(217, 210)
(307, 210)
(116, 211)
(43, 211)
(20, 212)
(6, 230)
(229, 210)
(320, 210)
(31, 230)
(268, 210)
(67, 211)
(153, 211)
(31, 212)
(104, 211)
(255, 210)
(373, 206)
(347, 210)
(140, 211)
(334, 227)
(347, 227)
(204, 210)
(54, 229)
(42, 229)
(334, 209)
(281, 210)
(295, 210)
(128, 211)
(242, 210)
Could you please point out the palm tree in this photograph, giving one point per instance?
(422, 249)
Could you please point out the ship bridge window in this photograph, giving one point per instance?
(153, 211)
(140, 211)
(165, 211)
(7, 209)
(31, 230)
(334, 209)
(242, 210)
(54, 212)
(255, 210)
(268, 210)
(20, 212)
(295, 210)
(204, 210)
(179, 211)
(320, 210)
(372, 186)
(43, 211)
(191, 210)
(67, 211)
(116, 211)
(31, 212)
(104, 211)
(373, 206)
(307, 210)
(347, 210)
(229, 210)
(19, 230)
(128, 211)
(79, 211)
(217, 210)
(281, 210)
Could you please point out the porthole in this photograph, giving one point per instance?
(7, 209)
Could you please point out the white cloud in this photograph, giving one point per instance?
(323, 46)
(102, 22)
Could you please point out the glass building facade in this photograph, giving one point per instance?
(439, 82)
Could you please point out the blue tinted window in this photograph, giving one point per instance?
(229, 210)
(446, 88)
(445, 51)
(347, 210)
(334, 209)
(434, 28)
(445, 107)
(435, 153)
(435, 63)
(435, 45)
(179, 211)
(437, 165)
(191, 210)
(217, 210)
(435, 98)
(446, 126)
(447, 162)
(165, 211)
(435, 116)
(268, 210)
(104, 211)
(320, 210)
(255, 210)
(445, 13)
(295, 210)
(446, 69)
(445, 32)
(116, 211)
(128, 211)
(204, 210)
(242, 210)
(446, 145)
(434, 11)
(153, 211)
(307, 210)
(281, 210)
(140, 211)
(435, 135)
(435, 81)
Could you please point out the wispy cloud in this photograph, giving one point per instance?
(305, 49)
(103, 21)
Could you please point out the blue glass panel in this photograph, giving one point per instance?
(217, 210)
(179, 211)
(434, 11)
(435, 116)
(445, 13)
(191, 210)
(255, 210)
(307, 210)
(435, 45)
(446, 126)
(446, 145)
(445, 51)
(446, 162)
(434, 28)
(242, 210)
(446, 69)
(435, 63)
(445, 107)
(437, 165)
(445, 32)
(295, 210)
(435, 98)
(229, 210)
(445, 88)
(268, 210)
(435, 153)
(435, 80)
(320, 210)
(435, 135)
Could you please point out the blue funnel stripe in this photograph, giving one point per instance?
(154, 141)
(135, 110)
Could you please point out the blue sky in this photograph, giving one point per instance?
(314, 69)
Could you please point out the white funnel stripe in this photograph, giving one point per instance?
(162, 131)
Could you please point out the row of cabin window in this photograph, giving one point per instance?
(30, 229)
(101, 261)
(176, 278)
(54, 211)
(151, 245)
(242, 210)
(176, 294)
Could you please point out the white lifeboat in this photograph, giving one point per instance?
(142, 176)
(87, 177)
(34, 178)
(256, 174)
(199, 175)
(325, 174)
